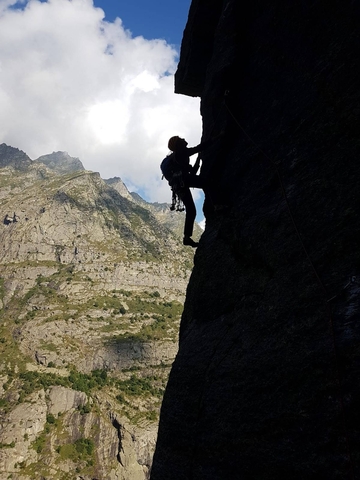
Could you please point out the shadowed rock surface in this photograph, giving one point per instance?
(265, 382)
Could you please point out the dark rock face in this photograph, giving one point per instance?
(266, 381)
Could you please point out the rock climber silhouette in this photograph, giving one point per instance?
(185, 178)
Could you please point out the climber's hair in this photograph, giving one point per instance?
(173, 142)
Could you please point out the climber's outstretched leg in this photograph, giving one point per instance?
(190, 216)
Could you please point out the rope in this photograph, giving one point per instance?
(320, 282)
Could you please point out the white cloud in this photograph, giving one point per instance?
(71, 81)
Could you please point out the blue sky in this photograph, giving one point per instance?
(150, 18)
(96, 80)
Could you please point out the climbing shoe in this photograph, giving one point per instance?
(189, 241)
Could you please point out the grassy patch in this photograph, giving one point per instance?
(48, 346)
(5, 406)
(152, 304)
(39, 444)
(81, 450)
(162, 327)
(7, 445)
(140, 387)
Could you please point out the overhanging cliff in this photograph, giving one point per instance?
(265, 383)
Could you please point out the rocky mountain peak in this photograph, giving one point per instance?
(13, 157)
(119, 186)
(61, 162)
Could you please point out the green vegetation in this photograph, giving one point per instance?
(50, 418)
(86, 382)
(32, 381)
(39, 444)
(137, 386)
(7, 445)
(152, 415)
(150, 304)
(144, 305)
(164, 325)
(83, 409)
(9, 350)
(125, 293)
(160, 328)
(3, 403)
(81, 450)
(49, 346)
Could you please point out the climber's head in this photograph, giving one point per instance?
(177, 143)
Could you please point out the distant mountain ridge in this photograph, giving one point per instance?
(62, 163)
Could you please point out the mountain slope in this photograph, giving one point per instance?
(91, 293)
(172, 220)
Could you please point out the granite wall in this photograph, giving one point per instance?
(265, 384)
